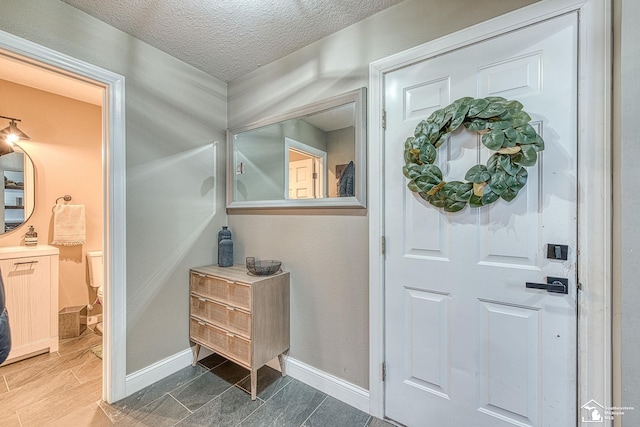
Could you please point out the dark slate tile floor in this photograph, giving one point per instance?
(214, 393)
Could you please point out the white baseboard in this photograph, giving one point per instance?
(335, 387)
(157, 371)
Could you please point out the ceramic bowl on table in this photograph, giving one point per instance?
(264, 267)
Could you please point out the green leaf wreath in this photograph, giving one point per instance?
(505, 129)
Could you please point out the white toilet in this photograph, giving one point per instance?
(96, 274)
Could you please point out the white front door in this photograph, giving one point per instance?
(466, 343)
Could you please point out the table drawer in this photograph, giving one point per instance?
(233, 293)
(221, 341)
(225, 316)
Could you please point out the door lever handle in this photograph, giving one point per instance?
(558, 285)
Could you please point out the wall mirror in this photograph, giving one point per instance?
(314, 156)
(18, 189)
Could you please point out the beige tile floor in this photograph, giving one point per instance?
(61, 388)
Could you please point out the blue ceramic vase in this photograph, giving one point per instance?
(225, 247)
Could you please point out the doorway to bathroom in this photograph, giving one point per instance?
(46, 66)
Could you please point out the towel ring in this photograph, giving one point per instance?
(66, 198)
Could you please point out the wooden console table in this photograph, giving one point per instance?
(241, 317)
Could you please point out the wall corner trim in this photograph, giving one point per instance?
(157, 371)
(338, 388)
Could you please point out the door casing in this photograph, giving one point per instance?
(114, 190)
(320, 159)
(594, 186)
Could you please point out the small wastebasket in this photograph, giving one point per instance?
(72, 321)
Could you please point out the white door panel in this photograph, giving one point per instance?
(301, 179)
(466, 343)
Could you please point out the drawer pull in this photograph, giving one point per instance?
(229, 334)
(25, 262)
(230, 308)
(201, 323)
(202, 299)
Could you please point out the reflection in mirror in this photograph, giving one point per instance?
(18, 189)
(306, 175)
(314, 156)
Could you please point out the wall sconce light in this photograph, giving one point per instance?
(11, 134)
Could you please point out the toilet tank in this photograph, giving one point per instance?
(94, 263)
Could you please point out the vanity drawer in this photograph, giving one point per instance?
(229, 292)
(220, 341)
(222, 315)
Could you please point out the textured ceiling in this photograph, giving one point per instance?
(230, 38)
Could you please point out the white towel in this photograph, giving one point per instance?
(68, 225)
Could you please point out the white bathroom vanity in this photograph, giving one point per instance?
(30, 275)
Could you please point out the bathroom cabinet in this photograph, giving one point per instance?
(241, 317)
(30, 276)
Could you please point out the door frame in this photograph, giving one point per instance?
(114, 191)
(319, 155)
(594, 257)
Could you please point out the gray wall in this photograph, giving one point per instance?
(326, 250)
(262, 152)
(627, 218)
(175, 183)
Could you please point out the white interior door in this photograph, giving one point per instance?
(301, 182)
(466, 343)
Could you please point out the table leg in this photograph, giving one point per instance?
(195, 355)
(283, 368)
(254, 383)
